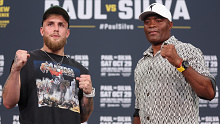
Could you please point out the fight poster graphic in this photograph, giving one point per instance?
(56, 85)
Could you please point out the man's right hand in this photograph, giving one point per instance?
(11, 90)
(20, 59)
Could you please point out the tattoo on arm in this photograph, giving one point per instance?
(9, 77)
(86, 108)
(16, 58)
(6, 83)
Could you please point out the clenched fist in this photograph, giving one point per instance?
(85, 83)
(20, 59)
(169, 52)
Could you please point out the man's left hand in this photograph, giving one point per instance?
(85, 83)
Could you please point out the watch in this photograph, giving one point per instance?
(92, 94)
(185, 65)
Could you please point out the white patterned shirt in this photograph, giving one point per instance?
(163, 95)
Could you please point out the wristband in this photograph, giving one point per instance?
(184, 66)
(92, 94)
(181, 69)
(180, 63)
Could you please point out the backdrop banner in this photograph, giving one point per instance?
(108, 39)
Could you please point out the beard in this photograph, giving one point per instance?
(54, 46)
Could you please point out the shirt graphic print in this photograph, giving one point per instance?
(56, 85)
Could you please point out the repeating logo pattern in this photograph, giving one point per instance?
(1, 65)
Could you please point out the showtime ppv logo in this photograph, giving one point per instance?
(1, 2)
(4, 14)
(124, 9)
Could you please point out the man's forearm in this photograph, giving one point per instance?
(86, 108)
(136, 120)
(11, 90)
(201, 84)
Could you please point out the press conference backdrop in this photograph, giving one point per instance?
(108, 39)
